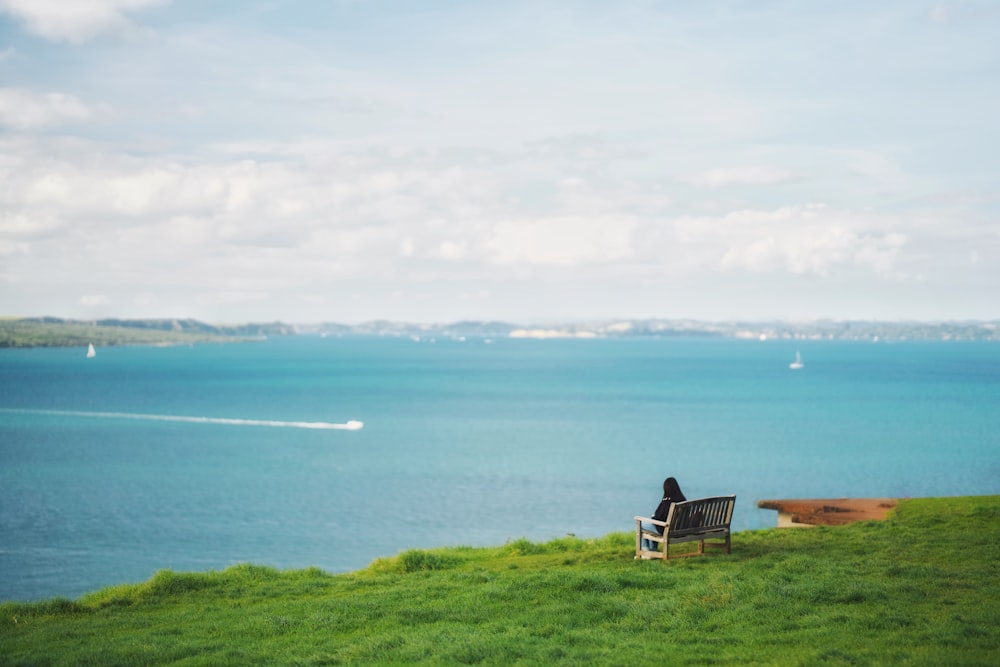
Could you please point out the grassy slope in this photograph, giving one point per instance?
(921, 588)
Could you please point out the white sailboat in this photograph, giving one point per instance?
(91, 352)
(797, 364)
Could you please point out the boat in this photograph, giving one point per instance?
(91, 352)
(797, 364)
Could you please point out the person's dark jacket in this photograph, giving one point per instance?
(671, 494)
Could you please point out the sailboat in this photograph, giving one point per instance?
(797, 364)
(91, 352)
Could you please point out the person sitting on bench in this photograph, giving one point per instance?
(671, 494)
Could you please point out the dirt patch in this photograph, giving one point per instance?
(828, 511)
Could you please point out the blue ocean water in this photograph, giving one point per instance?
(469, 442)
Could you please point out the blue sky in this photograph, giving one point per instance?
(530, 161)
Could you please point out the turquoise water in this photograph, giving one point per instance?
(463, 443)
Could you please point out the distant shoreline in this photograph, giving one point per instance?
(57, 332)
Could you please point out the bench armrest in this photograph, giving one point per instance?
(655, 522)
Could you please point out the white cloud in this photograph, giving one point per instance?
(28, 110)
(876, 168)
(124, 187)
(191, 110)
(452, 250)
(94, 300)
(561, 240)
(231, 297)
(810, 239)
(241, 225)
(23, 225)
(213, 233)
(9, 247)
(749, 175)
(76, 21)
(939, 14)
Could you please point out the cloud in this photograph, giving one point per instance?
(126, 188)
(751, 175)
(217, 232)
(75, 21)
(94, 300)
(452, 250)
(242, 226)
(561, 240)
(24, 225)
(582, 148)
(805, 239)
(231, 297)
(9, 247)
(939, 14)
(876, 168)
(247, 226)
(23, 109)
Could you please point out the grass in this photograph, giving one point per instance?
(918, 589)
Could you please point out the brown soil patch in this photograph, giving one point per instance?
(828, 511)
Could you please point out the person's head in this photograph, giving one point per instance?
(672, 490)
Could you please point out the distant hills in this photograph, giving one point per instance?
(680, 328)
(57, 332)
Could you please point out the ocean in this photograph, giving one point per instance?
(196, 458)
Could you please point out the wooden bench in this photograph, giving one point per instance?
(702, 519)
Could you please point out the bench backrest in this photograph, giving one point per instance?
(697, 516)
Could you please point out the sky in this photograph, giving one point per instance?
(437, 160)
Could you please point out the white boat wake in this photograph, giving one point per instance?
(352, 425)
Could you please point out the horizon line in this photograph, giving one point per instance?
(525, 322)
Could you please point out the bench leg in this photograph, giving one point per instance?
(640, 550)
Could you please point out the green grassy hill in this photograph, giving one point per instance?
(922, 588)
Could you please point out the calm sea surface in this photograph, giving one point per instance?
(467, 443)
